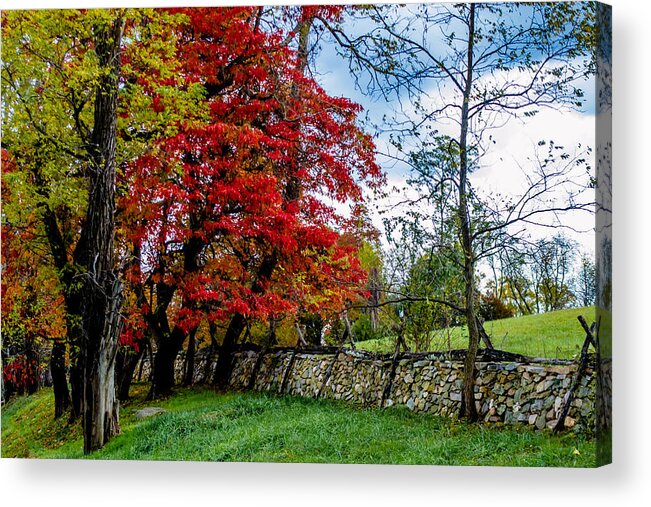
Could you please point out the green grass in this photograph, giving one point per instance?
(553, 334)
(202, 425)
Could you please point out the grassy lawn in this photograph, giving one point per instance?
(554, 334)
(202, 425)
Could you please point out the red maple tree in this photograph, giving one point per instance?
(233, 217)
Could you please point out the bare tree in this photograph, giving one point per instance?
(471, 66)
(585, 281)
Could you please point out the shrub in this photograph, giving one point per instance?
(493, 308)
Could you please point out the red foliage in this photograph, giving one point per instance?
(222, 188)
(32, 301)
(21, 375)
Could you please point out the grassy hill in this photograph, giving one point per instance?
(553, 334)
(201, 425)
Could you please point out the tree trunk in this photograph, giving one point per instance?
(169, 343)
(223, 367)
(59, 380)
(163, 369)
(188, 378)
(125, 369)
(101, 290)
(468, 408)
(207, 372)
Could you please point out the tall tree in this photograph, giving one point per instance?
(61, 75)
(229, 217)
(101, 289)
(492, 62)
(551, 265)
(585, 281)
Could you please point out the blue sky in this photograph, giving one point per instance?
(515, 143)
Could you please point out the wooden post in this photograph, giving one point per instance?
(328, 373)
(349, 330)
(301, 338)
(287, 370)
(484, 335)
(392, 373)
(569, 397)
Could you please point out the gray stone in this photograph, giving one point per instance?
(509, 417)
(549, 401)
(149, 412)
(541, 422)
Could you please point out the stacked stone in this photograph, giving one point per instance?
(508, 393)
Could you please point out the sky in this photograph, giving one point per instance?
(500, 168)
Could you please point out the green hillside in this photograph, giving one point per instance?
(553, 334)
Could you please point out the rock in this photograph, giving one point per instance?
(583, 392)
(561, 370)
(532, 419)
(510, 417)
(549, 401)
(541, 422)
(410, 403)
(586, 408)
(455, 395)
(149, 412)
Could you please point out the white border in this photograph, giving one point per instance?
(626, 482)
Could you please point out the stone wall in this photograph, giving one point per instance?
(505, 392)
